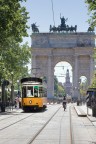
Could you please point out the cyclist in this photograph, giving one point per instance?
(64, 103)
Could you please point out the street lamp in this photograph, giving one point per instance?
(79, 97)
(12, 89)
(18, 88)
(4, 84)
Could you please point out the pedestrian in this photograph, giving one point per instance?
(15, 103)
(64, 103)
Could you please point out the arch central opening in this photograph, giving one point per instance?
(63, 79)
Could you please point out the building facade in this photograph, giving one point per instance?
(75, 48)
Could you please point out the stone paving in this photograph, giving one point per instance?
(58, 130)
(88, 112)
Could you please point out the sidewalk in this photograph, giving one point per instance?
(11, 109)
(87, 111)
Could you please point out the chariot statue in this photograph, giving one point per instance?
(34, 28)
(63, 27)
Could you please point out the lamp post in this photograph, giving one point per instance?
(79, 94)
(3, 98)
(18, 88)
(12, 90)
(4, 83)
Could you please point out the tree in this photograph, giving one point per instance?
(61, 90)
(58, 88)
(83, 88)
(92, 11)
(93, 85)
(13, 19)
(14, 61)
(55, 85)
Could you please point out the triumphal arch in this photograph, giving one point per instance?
(75, 48)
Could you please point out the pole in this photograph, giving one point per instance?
(12, 92)
(53, 12)
(18, 88)
(3, 98)
(87, 111)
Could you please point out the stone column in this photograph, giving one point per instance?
(91, 69)
(49, 79)
(33, 66)
(52, 81)
(75, 78)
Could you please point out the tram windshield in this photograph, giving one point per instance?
(34, 91)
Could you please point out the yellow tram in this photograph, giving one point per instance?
(34, 94)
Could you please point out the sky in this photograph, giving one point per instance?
(40, 11)
(61, 69)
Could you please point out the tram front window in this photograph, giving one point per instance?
(29, 91)
(35, 92)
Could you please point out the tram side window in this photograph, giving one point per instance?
(23, 91)
(40, 92)
(35, 91)
(45, 92)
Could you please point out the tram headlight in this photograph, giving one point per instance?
(30, 101)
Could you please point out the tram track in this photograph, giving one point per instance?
(16, 122)
(60, 131)
(9, 114)
(58, 122)
(71, 127)
(6, 118)
(14, 115)
(35, 136)
(60, 128)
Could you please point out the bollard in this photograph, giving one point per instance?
(78, 103)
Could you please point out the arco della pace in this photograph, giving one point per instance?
(75, 48)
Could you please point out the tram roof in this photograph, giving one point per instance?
(31, 80)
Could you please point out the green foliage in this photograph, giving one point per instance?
(93, 85)
(83, 88)
(14, 61)
(55, 83)
(92, 11)
(13, 19)
(13, 27)
(61, 90)
(58, 88)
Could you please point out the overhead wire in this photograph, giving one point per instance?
(53, 12)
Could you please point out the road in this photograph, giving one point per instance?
(53, 126)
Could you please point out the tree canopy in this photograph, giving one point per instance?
(13, 21)
(58, 88)
(14, 60)
(92, 12)
(93, 85)
(13, 27)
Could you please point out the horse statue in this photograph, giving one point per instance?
(34, 28)
(54, 29)
(90, 29)
(71, 29)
